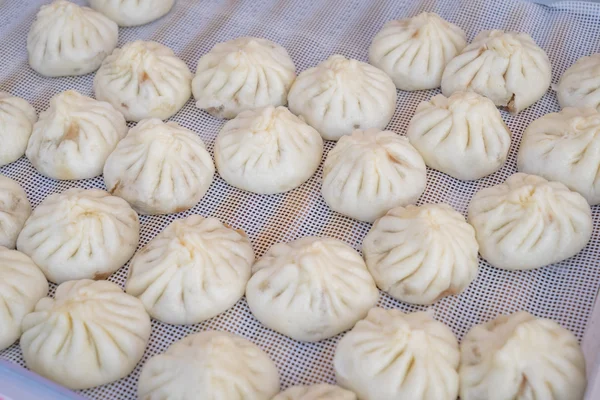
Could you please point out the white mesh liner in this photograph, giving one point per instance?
(311, 30)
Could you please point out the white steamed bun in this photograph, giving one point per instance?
(22, 285)
(66, 39)
(159, 168)
(341, 95)
(391, 355)
(316, 392)
(267, 150)
(132, 12)
(528, 222)
(565, 147)
(192, 271)
(421, 254)
(579, 84)
(463, 135)
(521, 357)
(80, 234)
(509, 68)
(210, 365)
(371, 172)
(144, 80)
(74, 136)
(89, 334)
(310, 289)
(243, 74)
(414, 51)
(14, 211)
(17, 117)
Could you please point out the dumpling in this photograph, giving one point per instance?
(159, 168)
(341, 95)
(192, 271)
(66, 39)
(17, 117)
(391, 355)
(528, 222)
(80, 234)
(509, 68)
(578, 86)
(267, 150)
(316, 392)
(463, 135)
(74, 137)
(371, 172)
(421, 254)
(14, 211)
(414, 51)
(243, 74)
(565, 147)
(521, 357)
(22, 285)
(210, 365)
(132, 12)
(144, 80)
(89, 334)
(311, 288)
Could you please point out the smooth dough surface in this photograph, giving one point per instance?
(89, 334)
(17, 117)
(421, 254)
(528, 222)
(74, 137)
(340, 95)
(159, 168)
(192, 271)
(14, 211)
(391, 355)
(371, 172)
(414, 51)
(509, 68)
(66, 39)
(210, 365)
(243, 74)
(22, 285)
(132, 12)
(463, 135)
(521, 357)
(310, 289)
(580, 83)
(316, 392)
(80, 234)
(267, 150)
(144, 80)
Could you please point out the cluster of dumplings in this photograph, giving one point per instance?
(92, 332)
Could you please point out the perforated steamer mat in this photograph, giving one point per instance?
(311, 31)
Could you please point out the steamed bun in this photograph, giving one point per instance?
(462, 135)
(132, 12)
(310, 289)
(414, 51)
(144, 80)
(192, 271)
(267, 150)
(14, 211)
(22, 285)
(89, 334)
(509, 68)
(341, 95)
(159, 168)
(316, 392)
(371, 172)
(528, 222)
(210, 365)
(421, 254)
(521, 357)
(578, 86)
(66, 39)
(17, 117)
(391, 355)
(74, 137)
(243, 74)
(80, 234)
